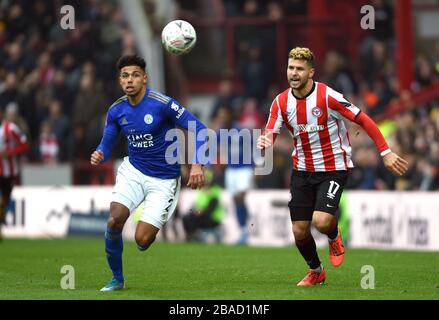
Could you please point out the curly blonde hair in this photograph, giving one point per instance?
(302, 54)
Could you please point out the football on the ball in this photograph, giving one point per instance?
(179, 37)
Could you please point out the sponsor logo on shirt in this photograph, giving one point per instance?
(141, 140)
(177, 109)
(175, 106)
(308, 127)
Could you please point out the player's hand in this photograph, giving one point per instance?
(196, 177)
(96, 157)
(395, 164)
(265, 140)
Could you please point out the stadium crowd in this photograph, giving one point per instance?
(55, 86)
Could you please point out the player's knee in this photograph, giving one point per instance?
(144, 241)
(239, 197)
(115, 223)
(299, 232)
(118, 215)
(322, 224)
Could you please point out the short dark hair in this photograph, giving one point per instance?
(131, 60)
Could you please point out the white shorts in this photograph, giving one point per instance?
(159, 196)
(238, 179)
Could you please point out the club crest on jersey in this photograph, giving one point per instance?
(148, 119)
(317, 112)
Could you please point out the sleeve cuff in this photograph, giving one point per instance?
(387, 151)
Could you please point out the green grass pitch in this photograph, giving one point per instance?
(31, 269)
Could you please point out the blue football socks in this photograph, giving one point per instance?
(241, 212)
(114, 248)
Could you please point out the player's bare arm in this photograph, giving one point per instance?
(96, 157)
(395, 164)
(196, 177)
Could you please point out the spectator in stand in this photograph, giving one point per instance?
(225, 97)
(251, 8)
(48, 145)
(425, 73)
(9, 92)
(254, 74)
(275, 12)
(16, 22)
(69, 65)
(62, 93)
(60, 127)
(375, 62)
(46, 70)
(337, 76)
(383, 20)
(16, 61)
(376, 96)
(33, 31)
(231, 8)
(89, 104)
(363, 175)
(250, 117)
(295, 7)
(43, 16)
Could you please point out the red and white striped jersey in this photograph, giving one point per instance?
(49, 147)
(14, 143)
(318, 126)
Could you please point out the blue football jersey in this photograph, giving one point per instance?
(145, 126)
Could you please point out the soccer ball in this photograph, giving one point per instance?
(179, 37)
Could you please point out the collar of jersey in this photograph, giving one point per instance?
(144, 97)
(308, 94)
